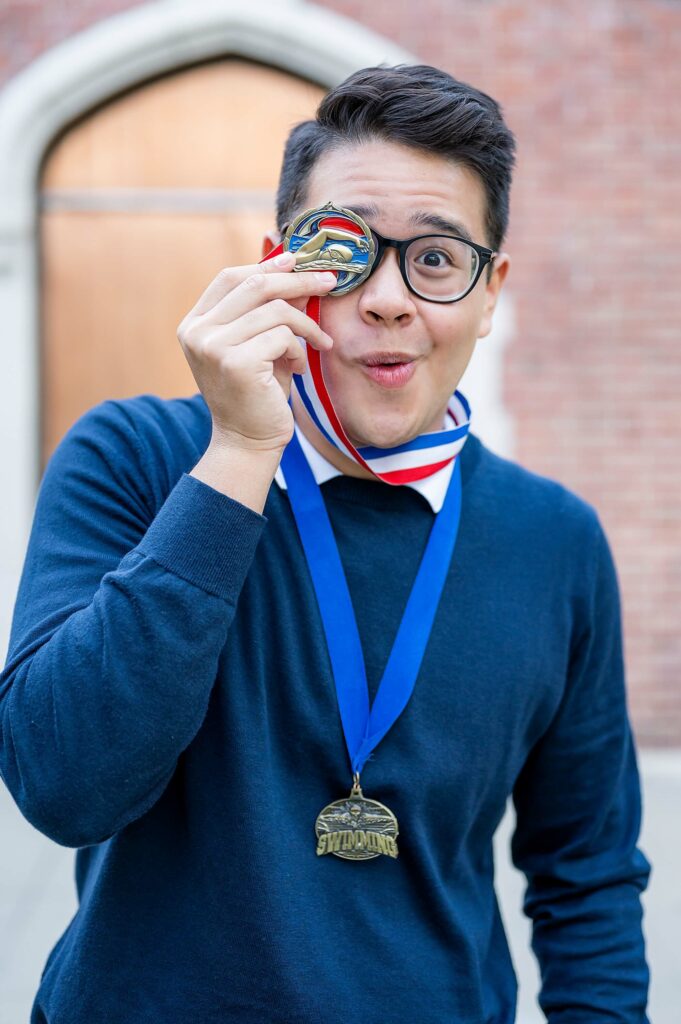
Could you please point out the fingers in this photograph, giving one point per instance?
(264, 318)
(267, 347)
(258, 289)
(230, 278)
(242, 343)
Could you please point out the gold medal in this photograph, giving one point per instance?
(356, 828)
(332, 238)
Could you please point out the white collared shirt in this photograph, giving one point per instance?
(433, 488)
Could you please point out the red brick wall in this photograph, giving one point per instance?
(594, 374)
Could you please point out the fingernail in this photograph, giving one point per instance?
(282, 259)
(326, 277)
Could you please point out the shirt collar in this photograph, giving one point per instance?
(433, 487)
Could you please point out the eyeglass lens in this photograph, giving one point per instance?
(440, 267)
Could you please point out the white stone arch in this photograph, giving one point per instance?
(67, 82)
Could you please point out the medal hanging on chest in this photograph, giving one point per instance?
(355, 827)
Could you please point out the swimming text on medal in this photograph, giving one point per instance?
(356, 839)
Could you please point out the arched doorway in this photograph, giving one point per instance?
(65, 84)
(142, 202)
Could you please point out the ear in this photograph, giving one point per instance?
(501, 265)
(270, 241)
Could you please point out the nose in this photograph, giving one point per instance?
(384, 296)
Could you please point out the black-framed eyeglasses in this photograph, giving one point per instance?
(437, 268)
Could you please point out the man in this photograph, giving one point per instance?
(185, 698)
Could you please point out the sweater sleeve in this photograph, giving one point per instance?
(578, 815)
(120, 618)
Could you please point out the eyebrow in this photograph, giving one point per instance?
(421, 218)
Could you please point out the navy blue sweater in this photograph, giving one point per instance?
(168, 708)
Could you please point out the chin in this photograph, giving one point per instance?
(378, 434)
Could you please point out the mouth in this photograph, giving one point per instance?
(389, 369)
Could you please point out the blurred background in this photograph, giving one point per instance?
(140, 146)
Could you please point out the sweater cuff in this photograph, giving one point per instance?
(205, 537)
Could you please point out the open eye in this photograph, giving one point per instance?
(435, 259)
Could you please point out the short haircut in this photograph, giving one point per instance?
(414, 105)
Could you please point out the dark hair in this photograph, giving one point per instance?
(415, 105)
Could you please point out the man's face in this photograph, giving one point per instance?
(391, 185)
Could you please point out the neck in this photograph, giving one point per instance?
(317, 440)
(332, 454)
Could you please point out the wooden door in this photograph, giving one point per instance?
(142, 203)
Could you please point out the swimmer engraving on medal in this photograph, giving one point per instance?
(354, 815)
(332, 238)
(324, 240)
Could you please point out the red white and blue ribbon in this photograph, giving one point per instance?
(401, 464)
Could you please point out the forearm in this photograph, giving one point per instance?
(94, 717)
(578, 807)
(593, 966)
(585, 875)
(590, 948)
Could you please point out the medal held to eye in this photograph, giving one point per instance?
(356, 828)
(332, 238)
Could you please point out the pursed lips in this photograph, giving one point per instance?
(390, 358)
(389, 369)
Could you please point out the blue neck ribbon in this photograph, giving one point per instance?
(364, 728)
